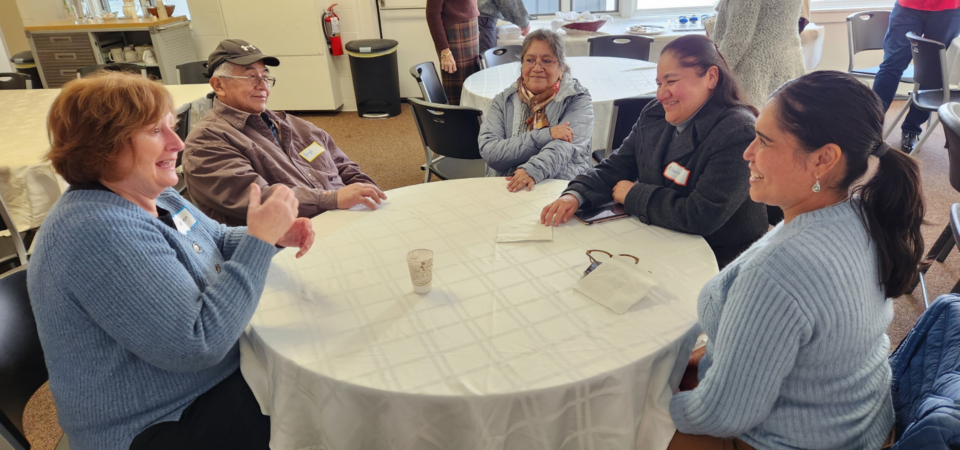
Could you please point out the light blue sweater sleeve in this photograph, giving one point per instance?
(761, 330)
(192, 327)
(229, 239)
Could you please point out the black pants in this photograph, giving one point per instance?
(226, 416)
(488, 33)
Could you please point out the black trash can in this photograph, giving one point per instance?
(376, 80)
(23, 62)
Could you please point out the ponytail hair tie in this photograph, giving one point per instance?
(880, 149)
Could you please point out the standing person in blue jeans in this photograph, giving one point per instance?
(933, 19)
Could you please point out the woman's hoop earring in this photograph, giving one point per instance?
(816, 186)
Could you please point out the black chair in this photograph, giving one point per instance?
(450, 131)
(500, 55)
(950, 116)
(183, 125)
(193, 73)
(953, 236)
(22, 368)
(430, 85)
(10, 81)
(19, 255)
(621, 46)
(626, 113)
(865, 31)
(932, 87)
(116, 67)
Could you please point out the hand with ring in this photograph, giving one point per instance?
(519, 180)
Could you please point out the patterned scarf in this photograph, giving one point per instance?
(537, 103)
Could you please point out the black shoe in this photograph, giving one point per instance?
(908, 142)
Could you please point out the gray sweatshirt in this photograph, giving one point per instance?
(512, 11)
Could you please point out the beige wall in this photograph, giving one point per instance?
(12, 27)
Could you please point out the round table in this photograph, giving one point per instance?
(607, 79)
(501, 354)
(28, 184)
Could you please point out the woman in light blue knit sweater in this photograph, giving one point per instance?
(139, 298)
(797, 355)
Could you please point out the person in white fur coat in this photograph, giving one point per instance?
(759, 40)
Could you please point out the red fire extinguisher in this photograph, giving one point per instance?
(331, 29)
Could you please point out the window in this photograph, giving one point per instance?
(697, 5)
(708, 6)
(595, 5)
(181, 8)
(548, 7)
(537, 7)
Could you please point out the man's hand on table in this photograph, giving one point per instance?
(359, 193)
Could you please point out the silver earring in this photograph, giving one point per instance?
(816, 186)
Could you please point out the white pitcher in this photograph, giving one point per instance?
(130, 55)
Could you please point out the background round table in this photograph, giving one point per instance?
(501, 354)
(28, 184)
(607, 79)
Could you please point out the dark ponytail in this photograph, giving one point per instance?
(693, 50)
(827, 107)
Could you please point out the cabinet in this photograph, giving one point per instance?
(61, 48)
(60, 55)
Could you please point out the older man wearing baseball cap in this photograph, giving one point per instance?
(240, 142)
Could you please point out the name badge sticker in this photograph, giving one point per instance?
(184, 221)
(677, 173)
(312, 152)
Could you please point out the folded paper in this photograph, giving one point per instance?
(617, 284)
(524, 230)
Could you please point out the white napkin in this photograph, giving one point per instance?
(617, 284)
(524, 230)
(574, 16)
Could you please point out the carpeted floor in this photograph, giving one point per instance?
(390, 151)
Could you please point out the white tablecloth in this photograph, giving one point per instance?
(501, 354)
(607, 79)
(812, 39)
(28, 185)
(575, 44)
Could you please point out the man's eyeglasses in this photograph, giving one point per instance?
(255, 80)
(594, 263)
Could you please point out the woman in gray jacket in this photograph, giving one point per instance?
(540, 127)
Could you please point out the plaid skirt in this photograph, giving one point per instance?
(464, 40)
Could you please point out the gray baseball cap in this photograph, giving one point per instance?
(238, 52)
